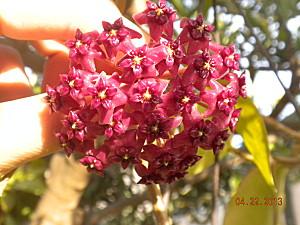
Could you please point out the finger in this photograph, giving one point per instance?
(49, 47)
(13, 81)
(27, 131)
(55, 65)
(59, 64)
(56, 19)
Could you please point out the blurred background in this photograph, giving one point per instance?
(55, 190)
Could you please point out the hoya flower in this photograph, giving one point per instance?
(173, 58)
(185, 97)
(68, 145)
(226, 101)
(118, 125)
(53, 99)
(71, 84)
(230, 57)
(234, 119)
(165, 164)
(158, 104)
(203, 66)
(125, 149)
(159, 18)
(140, 62)
(105, 96)
(83, 50)
(180, 98)
(219, 141)
(242, 85)
(196, 33)
(75, 127)
(95, 160)
(146, 94)
(199, 133)
(115, 34)
(157, 125)
(73, 145)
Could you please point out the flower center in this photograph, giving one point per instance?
(147, 95)
(231, 57)
(207, 66)
(200, 133)
(170, 51)
(159, 11)
(78, 44)
(74, 126)
(185, 99)
(226, 101)
(71, 83)
(137, 60)
(154, 129)
(64, 145)
(102, 95)
(200, 28)
(126, 157)
(113, 32)
(112, 123)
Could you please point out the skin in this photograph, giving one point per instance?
(26, 126)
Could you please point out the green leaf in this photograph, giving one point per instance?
(253, 131)
(254, 190)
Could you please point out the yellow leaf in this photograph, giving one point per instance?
(253, 131)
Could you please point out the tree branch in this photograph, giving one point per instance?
(282, 128)
(265, 53)
(216, 190)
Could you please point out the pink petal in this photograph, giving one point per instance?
(141, 18)
(126, 63)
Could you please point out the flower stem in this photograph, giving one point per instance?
(216, 188)
(159, 207)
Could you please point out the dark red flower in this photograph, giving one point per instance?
(196, 33)
(125, 149)
(53, 99)
(230, 57)
(114, 35)
(118, 125)
(202, 67)
(95, 160)
(105, 96)
(219, 141)
(158, 125)
(75, 127)
(173, 58)
(226, 101)
(234, 119)
(159, 18)
(146, 94)
(165, 164)
(140, 62)
(242, 85)
(84, 49)
(199, 133)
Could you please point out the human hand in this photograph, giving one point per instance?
(26, 126)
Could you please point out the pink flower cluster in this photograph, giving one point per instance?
(165, 99)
